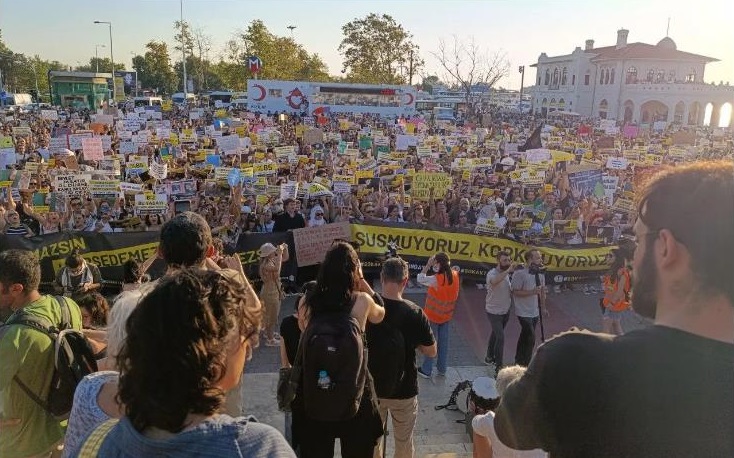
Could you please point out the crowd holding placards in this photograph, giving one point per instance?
(119, 170)
(243, 175)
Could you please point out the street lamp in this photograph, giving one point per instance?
(291, 28)
(96, 54)
(112, 58)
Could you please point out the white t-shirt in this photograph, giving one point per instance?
(499, 296)
(483, 425)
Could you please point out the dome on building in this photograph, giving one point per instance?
(667, 43)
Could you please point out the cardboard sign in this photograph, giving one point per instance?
(73, 185)
(104, 188)
(131, 188)
(51, 115)
(617, 163)
(229, 143)
(264, 169)
(92, 149)
(312, 243)
(151, 204)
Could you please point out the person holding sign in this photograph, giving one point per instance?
(271, 293)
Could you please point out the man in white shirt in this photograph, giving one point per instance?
(528, 290)
(497, 306)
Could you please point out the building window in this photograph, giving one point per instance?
(573, 80)
(603, 107)
(671, 76)
(611, 77)
(586, 79)
(547, 77)
(650, 76)
(660, 76)
(631, 75)
(555, 76)
(538, 80)
(691, 76)
(564, 78)
(601, 77)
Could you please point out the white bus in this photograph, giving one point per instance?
(179, 98)
(313, 98)
(147, 101)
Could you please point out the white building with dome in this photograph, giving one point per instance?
(633, 82)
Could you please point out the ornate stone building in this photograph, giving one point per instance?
(634, 82)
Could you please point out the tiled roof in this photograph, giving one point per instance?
(646, 51)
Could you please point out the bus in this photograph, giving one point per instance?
(313, 98)
(179, 98)
(16, 99)
(147, 101)
(220, 99)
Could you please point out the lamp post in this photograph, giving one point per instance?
(96, 55)
(112, 57)
(521, 70)
(291, 28)
(183, 51)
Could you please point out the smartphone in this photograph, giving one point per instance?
(181, 206)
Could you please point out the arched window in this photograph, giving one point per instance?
(660, 76)
(671, 76)
(611, 77)
(564, 77)
(691, 76)
(573, 80)
(547, 77)
(650, 76)
(603, 107)
(601, 77)
(631, 75)
(556, 76)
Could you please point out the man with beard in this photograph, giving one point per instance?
(497, 306)
(663, 391)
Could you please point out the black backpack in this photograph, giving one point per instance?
(387, 363)
(333, 343)
(73, 359)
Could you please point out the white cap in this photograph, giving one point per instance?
(485, 388)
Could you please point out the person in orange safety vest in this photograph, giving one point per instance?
(443, 291)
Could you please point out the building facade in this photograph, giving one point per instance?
(631, 82)
(79, 89)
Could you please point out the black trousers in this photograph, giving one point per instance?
(526, 341)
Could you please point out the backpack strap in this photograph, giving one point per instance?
(92, 444)
(65, 313)
(43, 325)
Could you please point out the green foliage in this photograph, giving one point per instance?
(282, 57)
(20, 72)
(377, 49)
(105, 65)
(154, 68)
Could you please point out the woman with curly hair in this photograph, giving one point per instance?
(186, 346)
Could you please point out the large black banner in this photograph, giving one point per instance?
(474, 254)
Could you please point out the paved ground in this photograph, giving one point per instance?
(470, 328)
(437, 433)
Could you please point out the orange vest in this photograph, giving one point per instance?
(441, 299)
(610, 286)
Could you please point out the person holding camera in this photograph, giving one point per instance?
(528, 290)
(78, 277)
(497, 305)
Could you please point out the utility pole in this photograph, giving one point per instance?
(183, 51)
(521, 69)
(291, 27)
(410, 68)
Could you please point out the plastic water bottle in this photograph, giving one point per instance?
(324, 380)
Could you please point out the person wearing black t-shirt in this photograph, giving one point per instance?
(286, 221)
(663, 391)
(290, 336)
(412, 324)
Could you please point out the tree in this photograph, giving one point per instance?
(377, 49)
(429, 82)
(105, 64)
(154, 68)
(283, 58)
(467, 66)
(21, 73)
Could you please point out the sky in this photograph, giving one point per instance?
(521, 29)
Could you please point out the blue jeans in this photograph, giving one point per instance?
(441, 334)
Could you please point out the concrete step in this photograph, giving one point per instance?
(451, 445)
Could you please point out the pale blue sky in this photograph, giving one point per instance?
(64, 29)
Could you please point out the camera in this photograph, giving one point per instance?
(392, 250)
(535, 270)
